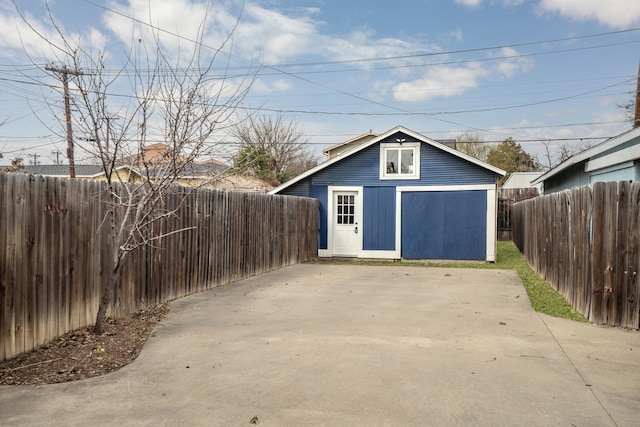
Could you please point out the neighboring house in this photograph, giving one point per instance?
(126, 173)
(152, 164)
(208, 174)
(522, 180)
(343, 147)
(616, 159)
(403, 195)
(192, 175)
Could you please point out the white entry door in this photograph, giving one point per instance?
(346, 230)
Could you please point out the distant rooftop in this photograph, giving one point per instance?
(522, 180)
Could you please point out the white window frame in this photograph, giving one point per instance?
(384, 148)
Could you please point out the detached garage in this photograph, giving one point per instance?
(402, 195)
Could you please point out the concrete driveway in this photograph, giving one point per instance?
(342, 345)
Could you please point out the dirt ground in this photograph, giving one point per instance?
(81, 354)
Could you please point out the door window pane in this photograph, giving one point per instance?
(345, 209)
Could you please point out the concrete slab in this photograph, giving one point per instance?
(337, 345)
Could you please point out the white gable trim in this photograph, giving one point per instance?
(417, 136)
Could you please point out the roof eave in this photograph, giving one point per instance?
(590, 152)
(379, 138)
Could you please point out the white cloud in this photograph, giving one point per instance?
(469, 3)
(265, 87)
(614, 13)
(37, 36)
(511, 63)
(362, 43)
(441, 82)
(273, 36)
(282, 85)
(476, 3)
(456, 35)
(451, 81)
(175, 17)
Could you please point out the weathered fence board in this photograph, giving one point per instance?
(56, 247)
(506, 198)
(586, 243)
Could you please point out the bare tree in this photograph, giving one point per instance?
(15, 166)
(271, 148)
(177, 101)
(558, 153)
(473, 145)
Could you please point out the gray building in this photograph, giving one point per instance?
(616, 159)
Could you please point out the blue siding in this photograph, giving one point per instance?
(436, 225)
(574, 176)
(301, 189)
(622, 172)
(437, 167)
(379, 218)
(320, 193)
(444, 225)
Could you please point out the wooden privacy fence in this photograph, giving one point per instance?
(586, 243)
(55, 251)
(506, 198)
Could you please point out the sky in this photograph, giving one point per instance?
(546, 73)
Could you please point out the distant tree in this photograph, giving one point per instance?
(510, 156)
(255, 161)
(628, 109)
(473, 145)
(272, 148)
(16, 164)
(554, 155)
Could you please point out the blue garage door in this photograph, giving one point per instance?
(444, 225)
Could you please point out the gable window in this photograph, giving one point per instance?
(400, 161)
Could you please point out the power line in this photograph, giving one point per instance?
(112, 72)
(459, 51)
(279, 69)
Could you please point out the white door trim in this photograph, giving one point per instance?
(492, 201)
(330, 217)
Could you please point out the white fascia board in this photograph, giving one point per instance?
(445, 188)
(623, 156)
(448, 149)
(590, 152)
(379, 138)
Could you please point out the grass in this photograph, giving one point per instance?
(544, 299)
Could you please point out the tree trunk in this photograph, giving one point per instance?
(106, 300)
(116, 260)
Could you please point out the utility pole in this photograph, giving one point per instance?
(57, 153)
(64, 73)
(636, 116)
(35, 158)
